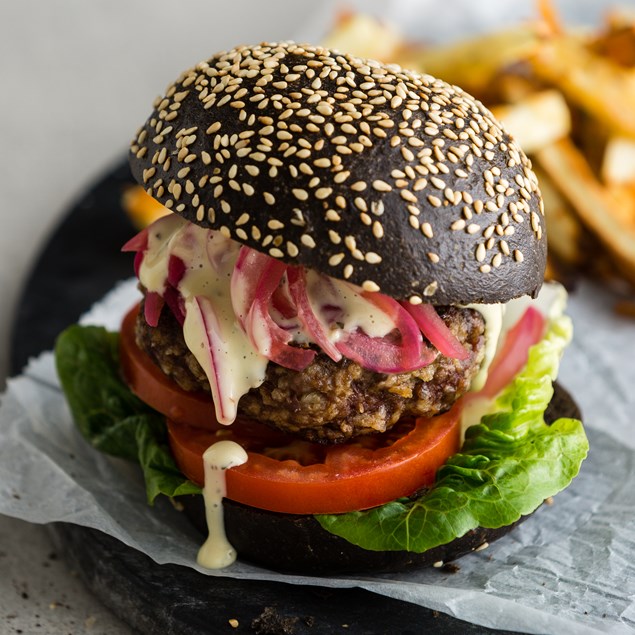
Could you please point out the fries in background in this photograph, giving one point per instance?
(141, 207)
(568, 97)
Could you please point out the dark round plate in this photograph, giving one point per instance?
(79, 264)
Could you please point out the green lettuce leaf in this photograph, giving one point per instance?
(508, 465)
(108, 415)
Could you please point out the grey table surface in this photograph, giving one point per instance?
(77, 80)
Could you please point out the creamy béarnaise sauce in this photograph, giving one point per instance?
(217, 552)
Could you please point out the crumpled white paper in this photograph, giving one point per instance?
(569, 568)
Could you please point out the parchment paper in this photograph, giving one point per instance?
(567, 569)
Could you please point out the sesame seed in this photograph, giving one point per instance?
(431, 289)
(434, 201)
(381, 186)
(407, 195)
(378, 229)
(307, 241)
(491, 206)
(366, 219)
(340, 177)
(323, 192)
(335, 259)
(292, 249)
(432, 257)
(369, 285)
(334, 237)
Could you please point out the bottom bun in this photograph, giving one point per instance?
(297, 543)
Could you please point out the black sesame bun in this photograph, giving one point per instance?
(393, 180)
(298, 544)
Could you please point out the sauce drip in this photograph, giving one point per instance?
(217, 552)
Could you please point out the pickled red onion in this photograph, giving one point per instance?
(202, 310)
(308, 318)
(139, 242)
(382, 355)
(513, 355)
(254, 280)
(435, 330)
(176, 270)
(152, 307)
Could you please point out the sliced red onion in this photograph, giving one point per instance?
(383, 355)
(138, 259)
(281, 300)
(245, 280)
(152, 308)
(176, 270)
(310, 321)
(272, 341)
(202, 310)
(254, 280)
(436, 331)
(175, 302)
(138, 242)
(513, 355)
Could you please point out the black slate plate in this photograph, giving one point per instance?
(79, 264)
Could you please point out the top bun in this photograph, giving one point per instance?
(390, 179)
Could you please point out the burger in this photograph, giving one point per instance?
(341, 340)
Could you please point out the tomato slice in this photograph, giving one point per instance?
(286, 474)
(146, 380)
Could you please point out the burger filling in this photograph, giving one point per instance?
(306, 353)
(332, 401)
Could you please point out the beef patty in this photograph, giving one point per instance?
(330, 402)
